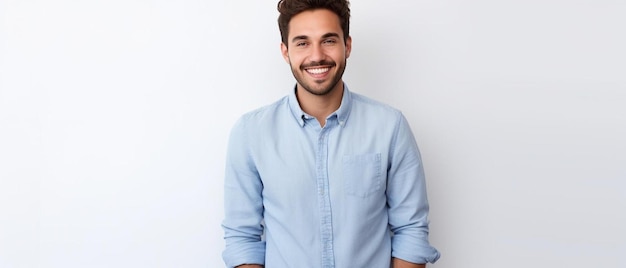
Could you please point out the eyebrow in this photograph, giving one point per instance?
(330, 35)
(304, 37)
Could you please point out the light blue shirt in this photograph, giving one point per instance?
(349, 194)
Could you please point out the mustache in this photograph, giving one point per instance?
(318, 63)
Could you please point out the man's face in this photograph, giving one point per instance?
(317, 51)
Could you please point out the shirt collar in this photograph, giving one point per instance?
(342, 113)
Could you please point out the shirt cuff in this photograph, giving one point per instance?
(415, 253)
(251, 253)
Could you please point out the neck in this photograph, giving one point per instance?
(320, 106)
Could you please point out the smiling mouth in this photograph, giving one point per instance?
(317, 71)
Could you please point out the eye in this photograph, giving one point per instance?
(301, 44)
(329, 42)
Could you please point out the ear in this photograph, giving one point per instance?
(348, 46)
(285, 51)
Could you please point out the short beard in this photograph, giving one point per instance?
(335, 80)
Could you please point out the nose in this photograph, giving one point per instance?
(317, 53)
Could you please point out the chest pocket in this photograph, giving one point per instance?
(362, 174)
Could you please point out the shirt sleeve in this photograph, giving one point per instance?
(243, 204)
(407, 201)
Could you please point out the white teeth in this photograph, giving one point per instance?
(317, 70)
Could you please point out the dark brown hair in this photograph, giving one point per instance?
(290, 8)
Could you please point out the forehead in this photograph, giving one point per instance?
(315, 23)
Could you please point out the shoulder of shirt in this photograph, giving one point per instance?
(260, 113)
(358, 99)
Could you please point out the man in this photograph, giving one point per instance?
(323, 177)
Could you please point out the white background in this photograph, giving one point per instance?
(114, 117)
